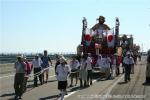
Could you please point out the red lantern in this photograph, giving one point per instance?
(110, 38)
(88, 37)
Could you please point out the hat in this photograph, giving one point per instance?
(128, 53)
(24, 57)
(89, 54)
(101, 17)
(100, 55)
(19, 56)
(62, 59)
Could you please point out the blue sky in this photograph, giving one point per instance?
(56, 25)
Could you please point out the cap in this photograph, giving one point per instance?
(62, 59)
(20, 56)
(128, 53)
(101, 18)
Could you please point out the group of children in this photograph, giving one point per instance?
(81, 70)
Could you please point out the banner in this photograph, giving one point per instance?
(110, 38)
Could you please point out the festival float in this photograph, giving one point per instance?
(108, 43)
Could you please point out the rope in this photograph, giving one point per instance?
(38, 73)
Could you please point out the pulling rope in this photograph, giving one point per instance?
(37, 74)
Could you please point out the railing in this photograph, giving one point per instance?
(12, 58)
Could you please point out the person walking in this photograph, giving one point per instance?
(37, 69)
(62, 72)
(45, 65)
(113, 67)
(83, 71)
(105, 64)
(74, 66)
(118, 62)
(20, 67)
(28, 71)
(89, 69)
(57, 61)
(128, 62)
(147, 81)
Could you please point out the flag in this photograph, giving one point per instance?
(110, 38)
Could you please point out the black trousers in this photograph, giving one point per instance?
(147, 79)
(36, 70)
(19, 84)
(117, 70)
(25, 84)
(81, 83)
(89, 77)
(127, 72)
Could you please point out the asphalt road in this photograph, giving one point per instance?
(114, 89)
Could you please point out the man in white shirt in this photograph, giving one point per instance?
(37, 68)
(128, 61)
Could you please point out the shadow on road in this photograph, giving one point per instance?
(12, 99)
(74, 89)
(146, 84)
(52, 81)
(30, 86)
(49, 97)
(7, 94)
(120, 83)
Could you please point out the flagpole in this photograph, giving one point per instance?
(117, 33)
(84, 22)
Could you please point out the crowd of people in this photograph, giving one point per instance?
(40, 66)
(78, 68)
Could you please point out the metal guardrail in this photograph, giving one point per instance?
(12, 58)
